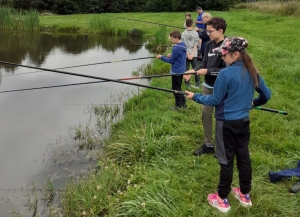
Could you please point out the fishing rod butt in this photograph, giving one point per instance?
(270, 110)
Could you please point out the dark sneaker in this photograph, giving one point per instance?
(204, 150)
(295, 189)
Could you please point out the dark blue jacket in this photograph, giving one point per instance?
(177, 58)
(289, 173)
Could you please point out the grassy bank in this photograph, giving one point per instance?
(284, 8)
(147, 167)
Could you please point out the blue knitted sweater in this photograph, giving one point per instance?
(233, 93)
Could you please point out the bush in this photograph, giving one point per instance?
(65, 7)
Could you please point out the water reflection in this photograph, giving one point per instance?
(36, 47)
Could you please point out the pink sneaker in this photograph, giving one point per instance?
(243, 198)
(215, 201)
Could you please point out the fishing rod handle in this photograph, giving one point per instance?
(270, 110)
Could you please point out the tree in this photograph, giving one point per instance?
(43, 5)
(22, 4)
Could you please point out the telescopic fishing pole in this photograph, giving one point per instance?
(92, 82)
(270, 110)
(89, 64)
(95, 77)
(149, 22)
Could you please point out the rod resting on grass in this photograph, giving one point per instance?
(95, 77)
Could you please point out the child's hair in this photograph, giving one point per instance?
(175, 34)
(188, 15)
(189, 22)
(217, 23)
(248, 63)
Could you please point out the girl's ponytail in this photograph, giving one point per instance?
(250, 66)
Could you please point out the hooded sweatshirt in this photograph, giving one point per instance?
(190, 38)
(177, 58)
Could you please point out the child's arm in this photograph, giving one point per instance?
(264, 93)
(214, 99)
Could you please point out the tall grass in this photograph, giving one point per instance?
(105, 25)
(161, 36)
(11, 19)
(284, 8)
(6, 20)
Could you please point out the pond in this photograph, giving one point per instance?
(35, 124)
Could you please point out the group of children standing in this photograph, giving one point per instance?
(230, 79)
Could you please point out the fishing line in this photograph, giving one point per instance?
(92, 82)
(96, 77)
(89, 64)
(149, 22)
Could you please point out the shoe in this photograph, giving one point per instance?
(215, 201)
(244, 199)
(295, 189)
(204, 150)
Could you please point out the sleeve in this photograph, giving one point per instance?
(220, 89)
(215, 71)
(172, 58)
(203, 35)
(203, 63)
(264, 93)
(196, 41)
(182, 38)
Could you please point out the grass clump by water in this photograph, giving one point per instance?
(147, 167)
(105, 25)
(11, 19)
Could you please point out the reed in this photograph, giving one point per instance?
(161, 36)
(5, 18)
(105, 25)
(11, 19)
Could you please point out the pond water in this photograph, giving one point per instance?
(34, 125)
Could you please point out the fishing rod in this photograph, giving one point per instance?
(92, 82)
(270, 110)
(89, 64)
(96, 77)
(150, 22)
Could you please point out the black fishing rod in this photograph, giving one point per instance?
(270, 110)
(95, 77)
(89, 64)
(93, 82)
(149, 22)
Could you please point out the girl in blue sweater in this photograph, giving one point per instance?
(233, 99)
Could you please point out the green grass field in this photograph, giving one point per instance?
(147, 167)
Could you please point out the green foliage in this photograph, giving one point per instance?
(11, 19)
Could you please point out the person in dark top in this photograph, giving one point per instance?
(210, 67)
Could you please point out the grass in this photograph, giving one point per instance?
(147, 167)
(284, 8)
(11, 19)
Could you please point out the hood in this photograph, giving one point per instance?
(181, 47)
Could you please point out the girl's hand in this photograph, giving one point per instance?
(158, 56)
(190, 94)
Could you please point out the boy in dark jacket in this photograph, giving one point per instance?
(178, 61)
(210, 67)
